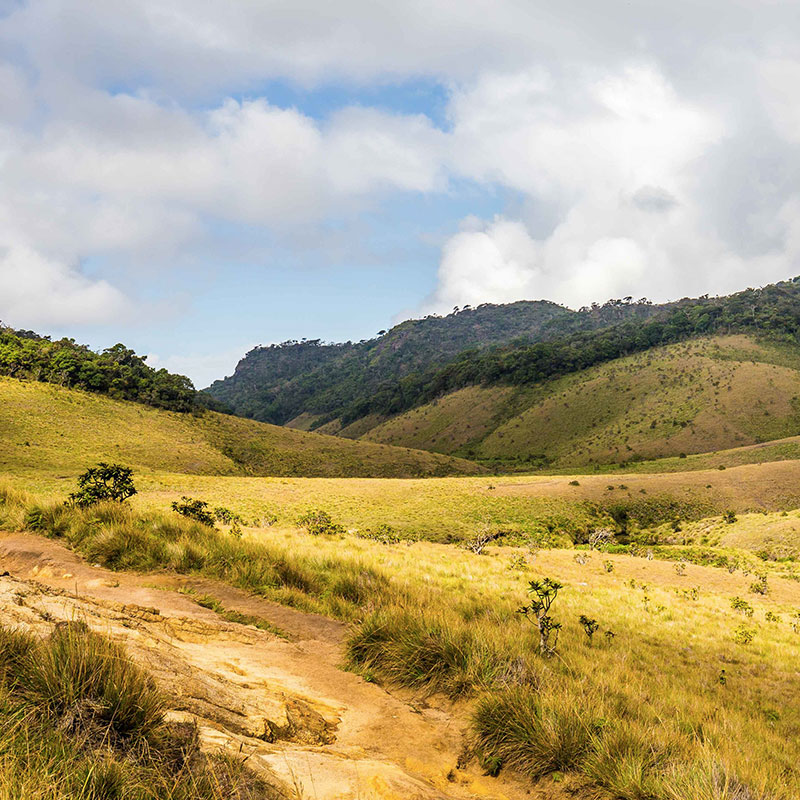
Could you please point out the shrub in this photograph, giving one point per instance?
(318, 522)
(743, 635)
(737, 604)
(759, 586)
(589, 626)
(194, 509)
(226, 516)
(729, 517)
(608, 566)
(104, 482)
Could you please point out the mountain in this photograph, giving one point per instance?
(540, 384)
(307, 383)
(52, 429)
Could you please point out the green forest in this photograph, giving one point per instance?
(117, 371)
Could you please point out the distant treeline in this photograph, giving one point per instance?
(773, 310)
(117, 372)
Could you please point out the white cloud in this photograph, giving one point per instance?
(652, 145)
(37, 291)
(202, 368)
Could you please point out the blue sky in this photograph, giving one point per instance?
(193, 180)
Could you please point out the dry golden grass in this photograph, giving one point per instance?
(694, 397)
(49, 428)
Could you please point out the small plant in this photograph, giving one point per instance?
(689, 594)
(236, 528)
(743, 635)
(759, 586)
(589, 626)
(737, 604)
(729, 517)
(608, 566)
(543, 594)
(722, 678)
(771, 617)
(680, 568)
(194, 509)
(794, 623)
(581, 558)
(609, 636)
(318, 522)
(104, 482)
(385, 534)
(226, 516)
(518, 562)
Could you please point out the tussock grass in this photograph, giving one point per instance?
(82, 722)
(114, 535)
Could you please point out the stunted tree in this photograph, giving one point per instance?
(543, 593)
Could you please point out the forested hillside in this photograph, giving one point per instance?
(322, 381)
(117, 371)
(310, 384)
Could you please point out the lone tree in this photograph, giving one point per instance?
(543, 593)
(104, 482)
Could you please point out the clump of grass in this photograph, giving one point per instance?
(438, 653)
(80, 721)
(533, 733)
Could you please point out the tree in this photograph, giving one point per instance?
(543, 594)
(104, 482)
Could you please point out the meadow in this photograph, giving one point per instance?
(696, 397)
(690, 697)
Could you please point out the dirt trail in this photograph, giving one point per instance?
(325, 733)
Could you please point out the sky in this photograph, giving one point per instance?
(195, 177)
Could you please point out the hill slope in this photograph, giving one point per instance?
(699, 396)
(45, 427)
(308, 383)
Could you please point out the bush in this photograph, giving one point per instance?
(104, 482)
(194, 509)
(318, 522)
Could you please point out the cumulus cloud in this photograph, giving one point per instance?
(37, 291)
(644, 204)
(652, 146)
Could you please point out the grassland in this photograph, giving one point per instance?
(691, 698)
(47, 428)
(695, 397)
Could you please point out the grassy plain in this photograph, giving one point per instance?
(692, 697)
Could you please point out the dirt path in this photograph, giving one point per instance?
(325, 733)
